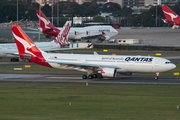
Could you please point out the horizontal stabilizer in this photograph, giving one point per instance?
(49, 30)
(27, 56)
(166, 21)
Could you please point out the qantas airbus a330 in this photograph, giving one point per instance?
(95, 65)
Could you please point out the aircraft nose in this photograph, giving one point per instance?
(116, 32)
(173, 66)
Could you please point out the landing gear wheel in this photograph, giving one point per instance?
(156, 77)
(95, 76)
(100, 76)
(84, 77)
(14, 60)
(17, 60)
(90, 77)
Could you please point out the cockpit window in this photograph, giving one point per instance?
(168, 62)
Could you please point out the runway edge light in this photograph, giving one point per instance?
(27, 66)
(86, 84)
(158, 54)
(176, 73)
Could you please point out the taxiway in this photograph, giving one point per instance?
(77, 79)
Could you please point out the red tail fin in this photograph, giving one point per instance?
(169, 14)
(44, 22)
(27, 49)
(25, 46)
(24, 43)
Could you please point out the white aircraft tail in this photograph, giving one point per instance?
(62, 37)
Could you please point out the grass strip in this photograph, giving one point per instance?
(28, 101)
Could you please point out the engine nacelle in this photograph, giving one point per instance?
(108, 72)
(40, 29)
(112, 40)
(106, 37)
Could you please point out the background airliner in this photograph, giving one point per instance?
(171, 16)
(8, 50)
(95, 65)
(103, 32)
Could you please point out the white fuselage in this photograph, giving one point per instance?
(10, 48)
(122, 64)
(91, 31)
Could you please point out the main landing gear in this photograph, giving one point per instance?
(14, 60)
(92, 76)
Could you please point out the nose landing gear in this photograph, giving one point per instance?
(157, 76)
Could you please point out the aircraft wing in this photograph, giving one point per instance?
(49, 49)
(91, 36)
(62, 49)
(82, 36)
(34, 32)
(82, 65)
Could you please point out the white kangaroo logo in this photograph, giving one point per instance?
(31, 45)
(171, 15)
(46, 22)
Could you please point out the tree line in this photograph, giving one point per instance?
(27, 11)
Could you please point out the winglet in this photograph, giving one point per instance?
(89, 45)
(103, 33)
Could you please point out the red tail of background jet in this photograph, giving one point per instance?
(171, 16)
(45, 25)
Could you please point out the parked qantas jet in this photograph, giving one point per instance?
(8, 50)
(95, 65)
(103, 32)
(171, 16)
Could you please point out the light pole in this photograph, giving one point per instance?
(57, 13)
(156, 15)
(39, 19)
(17, 12)
(52, 12)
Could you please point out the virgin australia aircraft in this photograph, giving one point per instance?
(95, 65)
(8, 50)
(103, 32)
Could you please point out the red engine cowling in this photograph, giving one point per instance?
(106, 37)
(108, 72)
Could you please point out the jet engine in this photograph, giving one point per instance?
(40, 29)
(108, 72)
(104, 38)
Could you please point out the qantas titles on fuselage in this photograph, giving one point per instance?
(128, 59)
(104, 30)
